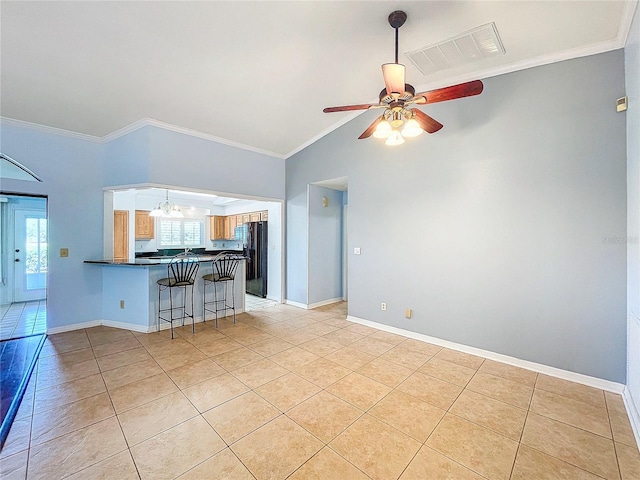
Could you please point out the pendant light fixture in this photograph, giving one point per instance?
(166, 209)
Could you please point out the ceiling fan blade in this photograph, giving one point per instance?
(427, 123)
(393, 74)
(347, 108)
(451, 93)
(369, 131)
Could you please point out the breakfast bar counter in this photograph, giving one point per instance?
(130, 298)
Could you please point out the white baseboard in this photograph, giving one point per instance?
(296, 304)
(595, 382)
(632, 413)
(313, 305)
(325, 302)
(75, 326)
(127, 326)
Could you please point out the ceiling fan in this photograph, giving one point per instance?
(398, 120)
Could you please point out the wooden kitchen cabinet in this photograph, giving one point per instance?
(245, 218)
(233, 223)
(216, 227)
(120, 235)
(239, 221)
(145, 225)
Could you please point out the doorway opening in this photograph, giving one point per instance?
(23, 265)
(327, 242)
(209, 223)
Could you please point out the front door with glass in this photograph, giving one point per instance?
(30, 255)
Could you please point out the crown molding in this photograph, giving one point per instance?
(326, 132)
(150, 122)
(48, 129)
(127, 129)
(145, 122)
(584, 51)
(618, 42)
(626, 20)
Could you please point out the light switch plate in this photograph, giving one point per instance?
(356, 251)
(64, 252)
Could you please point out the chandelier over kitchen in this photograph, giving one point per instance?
(166, 209)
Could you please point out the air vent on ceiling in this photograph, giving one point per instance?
(481, 42)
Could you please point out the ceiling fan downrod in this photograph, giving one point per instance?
(396, 20)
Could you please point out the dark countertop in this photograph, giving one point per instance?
(146, 262)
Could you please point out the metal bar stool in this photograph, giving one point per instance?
(223, 271)
(181, 273)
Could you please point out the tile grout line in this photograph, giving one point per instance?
(363, 412)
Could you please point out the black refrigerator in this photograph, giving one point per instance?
(256, 250)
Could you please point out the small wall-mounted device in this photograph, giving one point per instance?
(621, 104)
(64, 252)
(325, 202)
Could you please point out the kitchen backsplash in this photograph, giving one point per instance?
(224, 245)
(147, 246)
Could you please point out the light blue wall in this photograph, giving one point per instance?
(75, 171)
(183, 160)
(126, 159)
(632, 72)
(71, 170)
(297, 235)
(496, 230)
(325, 241)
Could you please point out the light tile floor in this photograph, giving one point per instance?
(296, 394)
(253, 302)
(22, 319)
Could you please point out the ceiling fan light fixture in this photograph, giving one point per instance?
(411, 129)
(394, 74)
(399, 120)
(394, 139)
(383, 130)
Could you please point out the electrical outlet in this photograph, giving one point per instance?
(383, 306)
(356, 250)
(64, 252)
(407, 313)
(122, 304)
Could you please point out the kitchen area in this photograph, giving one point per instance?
(146, 226)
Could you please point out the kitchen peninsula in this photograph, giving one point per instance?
(130, 291)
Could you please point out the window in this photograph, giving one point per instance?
(36, 252)
(181, 233)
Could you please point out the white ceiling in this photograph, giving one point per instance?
(184, 197)
(258, 73)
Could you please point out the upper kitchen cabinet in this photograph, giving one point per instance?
(254, 217)
(230, 227)
(217, 226)
(145, 225)
(264, 215)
